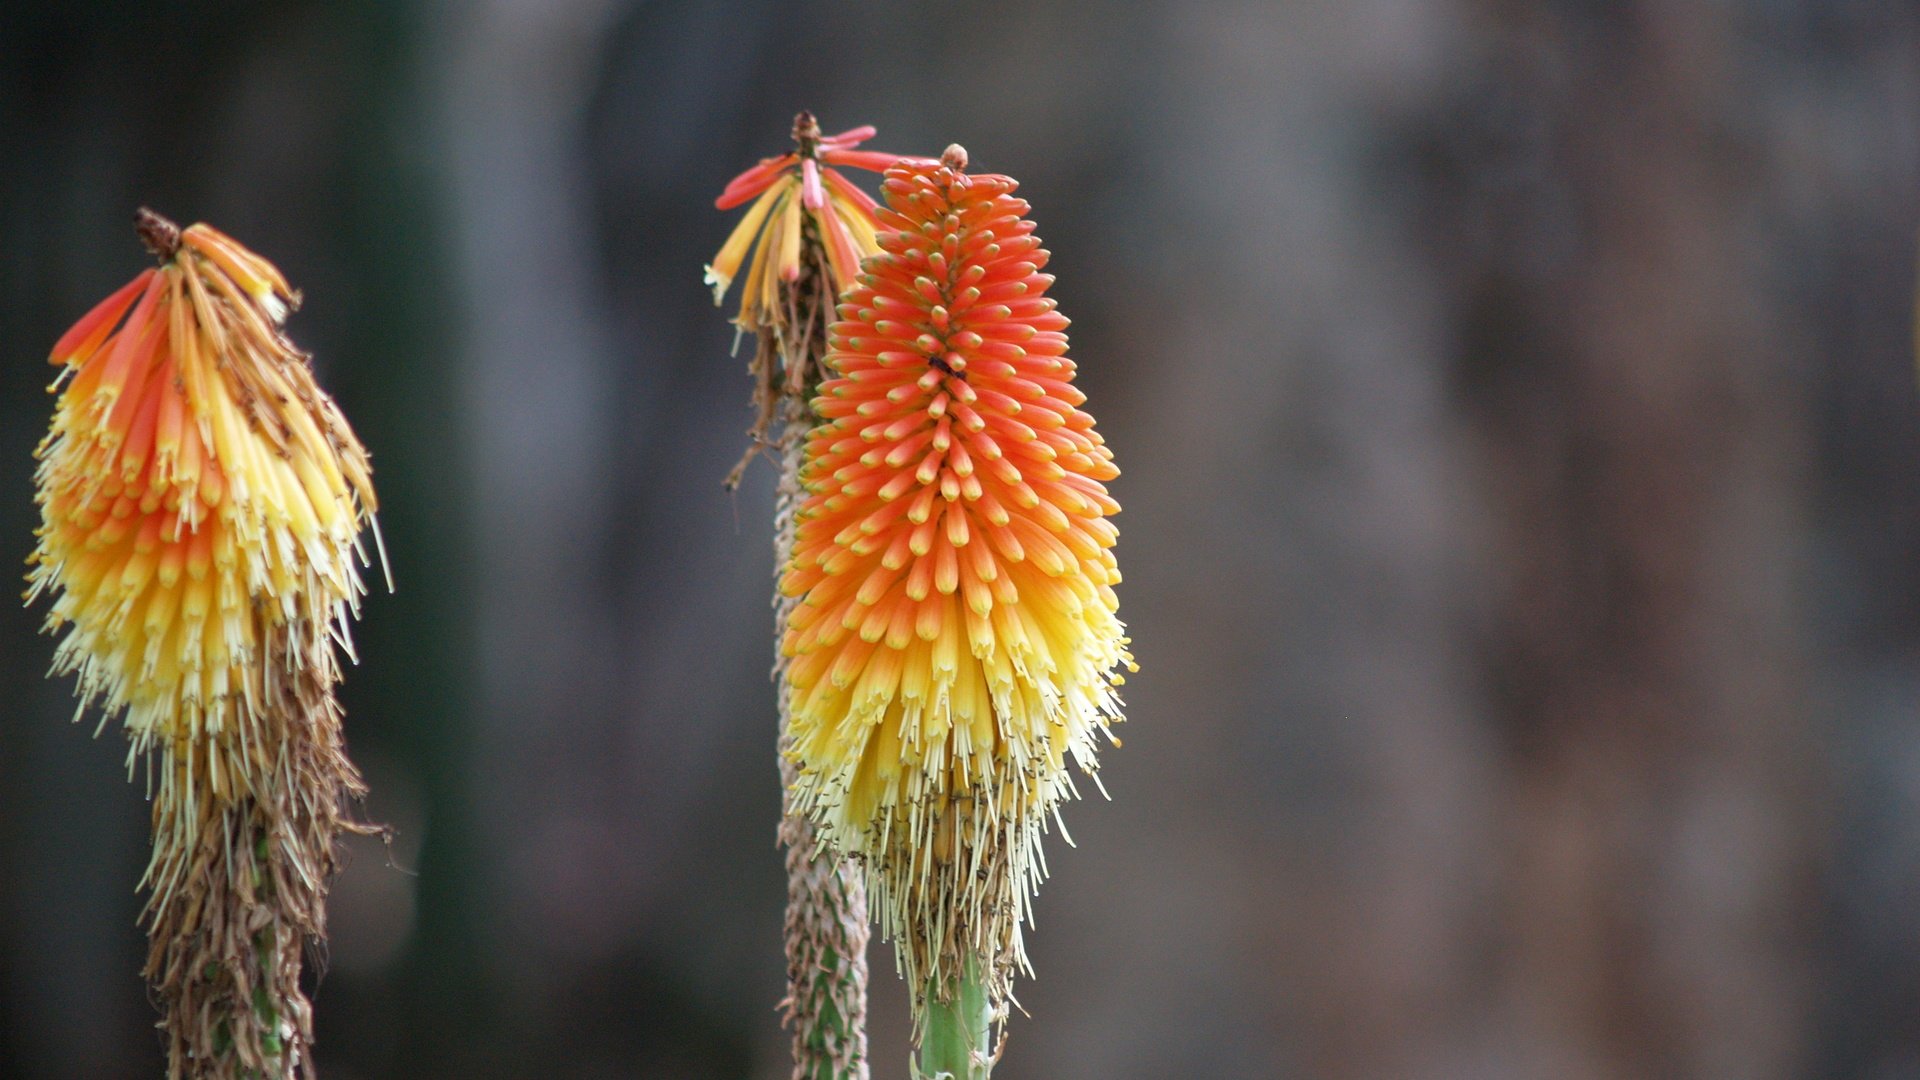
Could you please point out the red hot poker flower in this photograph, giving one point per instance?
(957, 638)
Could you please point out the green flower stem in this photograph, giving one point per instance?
(955, 1044)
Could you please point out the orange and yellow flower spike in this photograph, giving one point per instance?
(201, 505)
(957, 640)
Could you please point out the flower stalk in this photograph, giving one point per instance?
(201, 507)
(826, 928)
(957, 1031)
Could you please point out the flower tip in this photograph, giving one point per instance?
(719, 281)
(161, 237)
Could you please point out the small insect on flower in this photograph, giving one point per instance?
(957, 638)
(201, 504)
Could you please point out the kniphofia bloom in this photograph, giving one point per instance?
(957, 639)
(201, 502)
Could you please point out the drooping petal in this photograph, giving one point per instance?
(753, 181)
(852, 192)
(851, 136)
(726, 265)
(843, 254)
(757, 306)
(780, 251)
(865, 159)
(786, 257)
(767, 241)
(86, 335)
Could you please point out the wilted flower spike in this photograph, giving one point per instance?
(801, 243)
(201, 502)
(957, 639)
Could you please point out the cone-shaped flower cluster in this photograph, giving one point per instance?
(201, 502)
(957, 639)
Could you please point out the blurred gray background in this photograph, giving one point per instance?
(1522, 479)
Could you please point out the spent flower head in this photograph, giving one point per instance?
(798, 189)
(802, 241)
